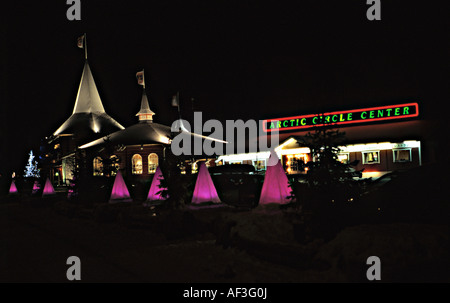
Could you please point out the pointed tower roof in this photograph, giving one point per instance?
(144, 132)
(145, 114)
(88, 100)
(88, 114)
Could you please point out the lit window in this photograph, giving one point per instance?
(152, 163)
(247, 162)
(343, 158)
(114, 165)
(98, 166)
(371, 157)
(296, 163)
(136, 164)
(402, 155)
(194, 168)
(259, 164)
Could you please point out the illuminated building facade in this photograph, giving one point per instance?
(88, 121)
(379, 139)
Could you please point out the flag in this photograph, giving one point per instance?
(175, 101)
(80, 41)
(140, 77)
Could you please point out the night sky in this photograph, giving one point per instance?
(237, 59)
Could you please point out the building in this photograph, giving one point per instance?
(138, 148)
(88, 121)
(380, 139)
(93, 140)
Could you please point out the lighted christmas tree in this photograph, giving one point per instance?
(31, 169)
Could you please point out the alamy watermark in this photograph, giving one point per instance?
(236, 136)
(74, 11)
(374, 271)
(74, 271)
(374, 11)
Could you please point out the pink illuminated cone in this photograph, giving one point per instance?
(276, 185)
(120, 191)
(153, 194)
(204, 191)
(13, 188)
(48, 188)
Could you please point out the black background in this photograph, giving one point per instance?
(237, 59)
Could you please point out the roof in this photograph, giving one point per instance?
(88, 114)
(89, 123)
(367, 133)
(145, 108)
(140, 133)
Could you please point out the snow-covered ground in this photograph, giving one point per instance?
(132, 243)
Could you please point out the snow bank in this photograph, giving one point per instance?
(408, 253)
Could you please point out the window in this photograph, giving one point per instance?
(371, 157)
(259, 164)
(114, 165)
(97, 166)
(343, 158)
(402, 155)
(296, 163)
(152, 163)
(194, 168)
(247, 162)
(136, 164)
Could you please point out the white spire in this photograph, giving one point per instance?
(145, 114)
(88, 111)
(88, 100)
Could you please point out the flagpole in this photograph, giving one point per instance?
(143, 79)
(85, 46)
(178, 104)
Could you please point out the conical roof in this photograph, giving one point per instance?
(140, 133)
(88, 100)
(144, 132)
(88, 114)
(145, 108)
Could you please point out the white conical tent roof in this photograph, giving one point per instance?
(119, 191)
(154, 192)
(204, 190)
(275, 188)
(88, 100)
(88, 112)
(48, 188)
